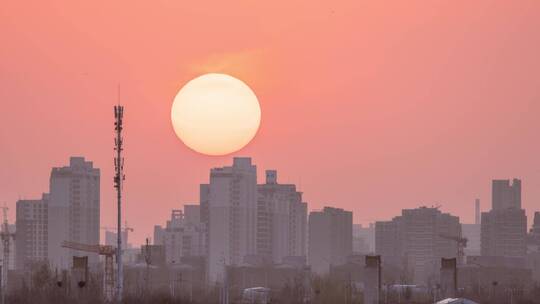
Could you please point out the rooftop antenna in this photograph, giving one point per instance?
(119, 177)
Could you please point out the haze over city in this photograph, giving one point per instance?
(305, 152)
(430, 100)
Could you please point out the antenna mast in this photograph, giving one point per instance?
(118, 181)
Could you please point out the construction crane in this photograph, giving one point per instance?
(105, 250)
(6, 238)
(461, 244)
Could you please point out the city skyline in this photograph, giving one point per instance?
(262, 175)
(431, 99)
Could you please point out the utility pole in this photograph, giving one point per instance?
(118, 180)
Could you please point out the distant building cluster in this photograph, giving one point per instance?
(240, 223)
(247, 234)
(69, 212)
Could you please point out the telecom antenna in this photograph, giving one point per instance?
(119, 177)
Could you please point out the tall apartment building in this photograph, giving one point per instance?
(230, 205)
(330, 238)
(417, 240)
(31, 242)
(504, 227)
(74, 209)
(281, 220)
(182, 236)
(506, 195)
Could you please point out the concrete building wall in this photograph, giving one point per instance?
(417, 240)
(232, 219)
(31, 243)
(503, 233)
(281, 220)
(505, 194)
(74, 210)
(181, 238)
(330, 238)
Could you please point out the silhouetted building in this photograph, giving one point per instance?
(281, 220)
(504, 233)
(330, 238)
(232, 220)
(504, 228)
(181, 237)
(505, 195)
(363, 239)
(32, 230)
(74, 211)
(416, 241)
(192, 214)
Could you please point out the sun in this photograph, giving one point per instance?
(215, 114)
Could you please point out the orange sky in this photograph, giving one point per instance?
(372, 106)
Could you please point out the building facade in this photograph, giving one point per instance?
(504, 227)
(416, 241)
(31, 242)
(330, 238)
(281, 220)
(230, 203)
(74, 211)
(181, 237)
(506, 195)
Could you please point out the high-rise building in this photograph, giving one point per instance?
(181, 237)
(74, 210)
(232, 219)
(330, 238)
(506, 195)
(363, 239)
(281, 220)
(192, 213)
(504, 233)
(31, 243)
(504, 227)
(417, 240)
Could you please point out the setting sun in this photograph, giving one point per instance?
(215, 114)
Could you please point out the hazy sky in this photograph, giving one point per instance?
(371, 106)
